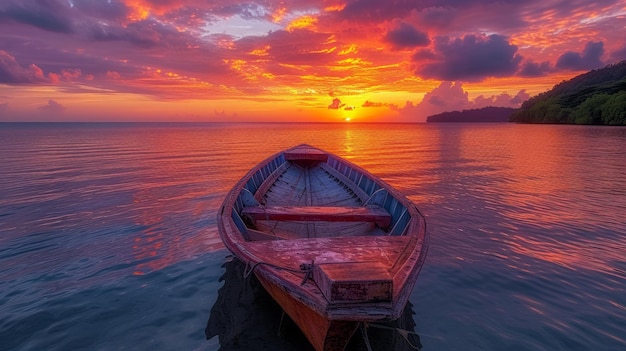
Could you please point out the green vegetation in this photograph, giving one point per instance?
(596, 97)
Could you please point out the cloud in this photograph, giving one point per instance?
(48, 15)
(368, 103)
(491, 16)
(110, 11)
(589, 59)
(502, 100)
(405, 36)
(145, 34)
(471, 58)
(619, 55)
(52, 107)
(4, 106)
(336, 104)
(296, 47)
(533, 69)
(450, 96)
(379, 11)
(11, 72)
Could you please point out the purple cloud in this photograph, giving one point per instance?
(472, 58)
(49, 15)
(52, 107)
(501, 100)
(405, 36)
(589, 59)
(437, 13)
(376, 10)
(450, 96)
(292, 47)
(619, 55)
(533, 69)
(12, 72)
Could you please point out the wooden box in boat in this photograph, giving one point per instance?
(332, 244)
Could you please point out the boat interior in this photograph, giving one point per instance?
(307, 193)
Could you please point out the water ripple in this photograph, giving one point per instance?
(108, 235)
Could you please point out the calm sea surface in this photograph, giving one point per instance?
(108, 237)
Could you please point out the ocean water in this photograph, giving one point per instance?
(108, 237)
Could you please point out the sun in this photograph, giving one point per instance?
(347, 119)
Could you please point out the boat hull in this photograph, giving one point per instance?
(322, 333)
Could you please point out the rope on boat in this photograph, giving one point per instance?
(306, 268)
(280, 326)
(372, 196)
(403, 333)
(363, 327)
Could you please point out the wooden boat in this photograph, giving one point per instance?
(335, 246)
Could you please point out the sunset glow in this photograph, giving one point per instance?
(328, 60)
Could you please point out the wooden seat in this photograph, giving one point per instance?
(377, 215)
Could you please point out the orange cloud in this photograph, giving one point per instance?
(301, 22)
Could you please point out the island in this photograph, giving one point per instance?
(595, 97)
(485, 114)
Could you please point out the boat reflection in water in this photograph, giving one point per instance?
(245, 317)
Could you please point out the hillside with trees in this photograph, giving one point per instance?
(596, 97)
(486, 114)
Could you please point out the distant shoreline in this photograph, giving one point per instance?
(489, 114)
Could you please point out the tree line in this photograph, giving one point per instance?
(596, 97)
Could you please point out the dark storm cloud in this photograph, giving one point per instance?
(471, 58)
(404, 36)
(589, 59)
(48, 15)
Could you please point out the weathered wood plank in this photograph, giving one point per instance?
(319, 213)
(298, 230)
(306, 154)
(291, 253)
(257, 235)
(362, 195)
(354, 282)
(269, 181)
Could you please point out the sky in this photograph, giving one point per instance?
(293, 60)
